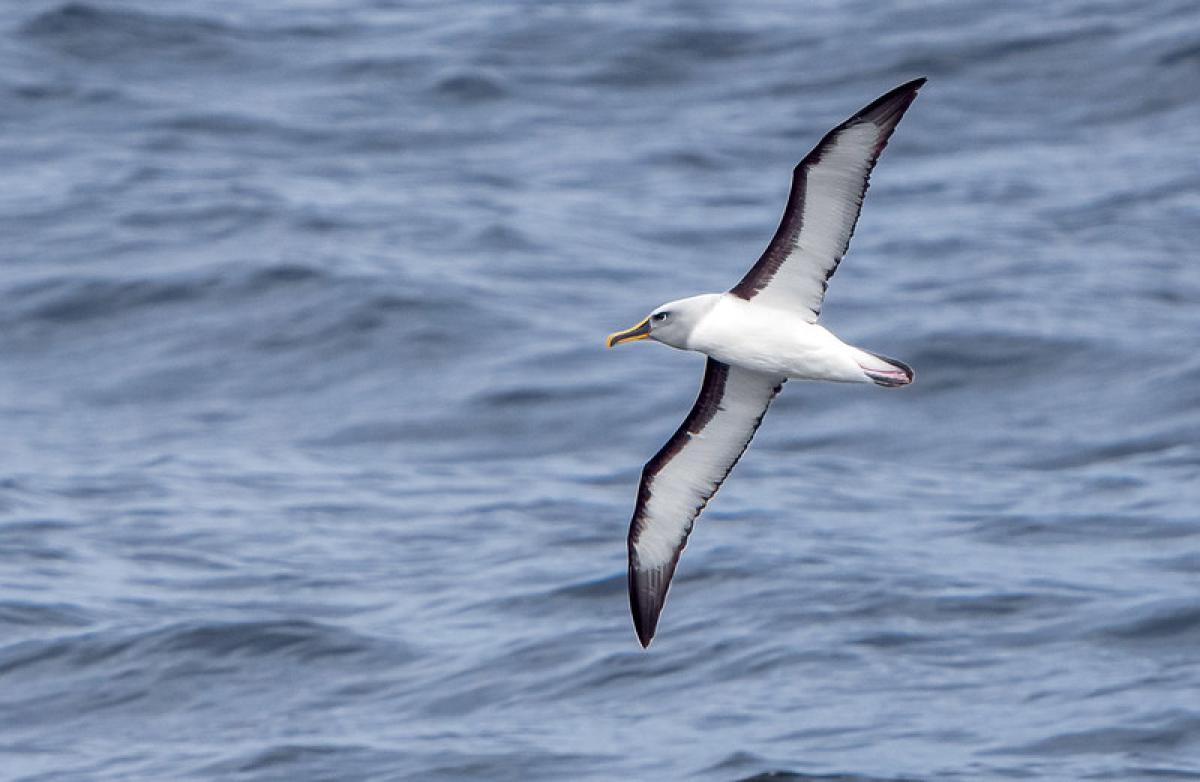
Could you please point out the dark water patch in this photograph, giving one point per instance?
(505, 238)
(1184, 55)
(262, 279)
(988, 355)
(32, 614)
(240, 126)
(605, 587)
(471, 87)
(741, 762)
(275, 581)
(707, 43)
(90, 299)
(1127, 447)
(300, 640)
(519, 398)
(385, 68)
(539, 665)
(1187, 563)
(690, 160)
(37, 540)
(737, 761)
(303, 639)
(1068, 528)
(1163, 677)
(182, 560)
(794, 776)
(639, 67)
(88, 680)
(521, 766)
(97, 34)
(976, 54)
(655, 673)
(770, 657)
(32, 526)
(461, 700)
(1165, 732)
(1170, 622)
(38, 91)
(375, 433)
(893, 640)
(951, 608)
(76, 302)
(211, 221)
(989, 605)
(318, 762)
(312, 327)
(317, 327)
(318, 27)
(1149, 772)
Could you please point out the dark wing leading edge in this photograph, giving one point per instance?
(827, 193)
(684, 475)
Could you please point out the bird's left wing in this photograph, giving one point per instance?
(684, 475)
(826, 196)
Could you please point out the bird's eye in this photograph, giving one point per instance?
(659, 316)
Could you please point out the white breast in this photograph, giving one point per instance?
(766, 339)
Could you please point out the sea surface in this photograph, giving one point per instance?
(313, 465)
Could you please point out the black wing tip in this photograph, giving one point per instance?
(645, 627)
(645, 607)
(647, 596)
(644, 622)
(907, 87)
(888, 108)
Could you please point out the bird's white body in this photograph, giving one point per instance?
(777, 342)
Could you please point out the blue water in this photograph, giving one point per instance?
(314, 467)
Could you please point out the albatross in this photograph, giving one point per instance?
(757, 335)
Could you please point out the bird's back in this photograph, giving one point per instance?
(774, 341)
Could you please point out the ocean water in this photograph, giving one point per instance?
(314, 466)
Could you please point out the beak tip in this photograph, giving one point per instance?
(640, 331)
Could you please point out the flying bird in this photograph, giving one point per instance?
(759, 334)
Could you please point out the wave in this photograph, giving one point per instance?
(472, 86)
(327, 761)
(99, 32)
(1159, 733)
(67, 300)
(94, 33)
(1171, 622)
(795, 776)
(303, 640)
(16, 613)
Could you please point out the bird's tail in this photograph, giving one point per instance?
(884, 371)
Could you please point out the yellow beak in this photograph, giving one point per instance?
(640, 331)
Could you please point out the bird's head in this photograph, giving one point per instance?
(670, 324)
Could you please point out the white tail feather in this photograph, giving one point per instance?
(882, 370)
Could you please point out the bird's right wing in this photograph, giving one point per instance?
(684, 475)
(822, 209)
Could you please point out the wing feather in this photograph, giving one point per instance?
(827, 192)
(684, 475)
